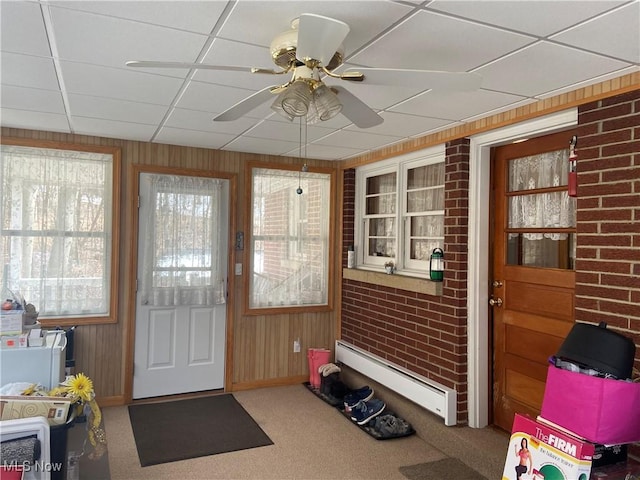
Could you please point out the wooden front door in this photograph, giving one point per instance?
(532, 292)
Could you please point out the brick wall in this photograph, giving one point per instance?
(608, 222)
(428, 334)
(425, 334)
(608, 242)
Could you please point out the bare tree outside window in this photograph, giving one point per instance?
(56, 219)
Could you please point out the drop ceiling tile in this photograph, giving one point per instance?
(33, 99)
(217, 98)
(179, 136)
(191, 16)
(520, 73)
(287, 131)
(112, 129)
(360, 139)
(449, 44)
(537, 17)
(119, 83)
(332, 152)
(261, 145)
(616, 34)
(203, 121)
(363, 17)
(455, 106)
(402, 125)
(227, 52)
(28, 71)
(113, 109)
(586, 83)
(111, 41)
(378, 97)
(50, 122)
(22, 29)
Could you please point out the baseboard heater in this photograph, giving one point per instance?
(436, 398)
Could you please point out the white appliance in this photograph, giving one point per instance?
(44, 365)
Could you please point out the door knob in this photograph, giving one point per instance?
(495, 302)
(496, 284)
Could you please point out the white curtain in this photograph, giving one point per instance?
(181, 264)
(55, 216)
(290, 238)
(540, 210)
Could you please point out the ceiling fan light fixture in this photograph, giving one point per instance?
(276, 106)
(297, 98)
(326, 102)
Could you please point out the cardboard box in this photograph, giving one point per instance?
(553, 454)
(54, 409)
(602, 454)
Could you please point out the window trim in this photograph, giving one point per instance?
(115, 152)
(247, 261)
(401, 166)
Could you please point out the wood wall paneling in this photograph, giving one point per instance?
(262, 346)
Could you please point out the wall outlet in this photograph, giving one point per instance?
(296, 346)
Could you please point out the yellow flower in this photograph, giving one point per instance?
(58, 392)
(80, 386)
(30, 390)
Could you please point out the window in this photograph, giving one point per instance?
(290, 238)
(58, 209)
(184, 220)
(400, 212)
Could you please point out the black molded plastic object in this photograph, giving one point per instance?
(597, 347)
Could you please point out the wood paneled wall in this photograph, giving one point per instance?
(262, 346)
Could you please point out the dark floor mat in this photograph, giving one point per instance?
(177, 430)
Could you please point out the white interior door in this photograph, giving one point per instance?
(182, 276)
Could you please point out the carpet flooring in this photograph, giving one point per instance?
(177, 430)
(445, 469)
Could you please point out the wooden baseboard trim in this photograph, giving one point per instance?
(275, 382)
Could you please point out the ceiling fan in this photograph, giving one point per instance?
(311, 51)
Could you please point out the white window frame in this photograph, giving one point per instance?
(401, 166)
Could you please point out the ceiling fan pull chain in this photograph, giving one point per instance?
(299, 189)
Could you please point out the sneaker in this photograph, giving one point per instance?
(356, 396)
(365, 411)
(389, 425)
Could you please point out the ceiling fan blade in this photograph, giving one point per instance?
(424, 79)
(319, 37)
(202, 66)
(356, 110)
(245, 106)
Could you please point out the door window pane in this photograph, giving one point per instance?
(543, 170)
(542, 210)
(537, 250)
(538, 200)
